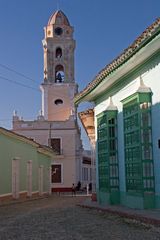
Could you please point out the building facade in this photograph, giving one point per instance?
(87, 120)
(25, 167)
(127, 131)
(56, 125)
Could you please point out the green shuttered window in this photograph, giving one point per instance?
(138, 143)
(107, 151)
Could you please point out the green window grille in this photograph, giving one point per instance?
(138, 143)
(146, 139)
(107, 151)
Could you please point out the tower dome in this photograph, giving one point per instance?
(58, 18)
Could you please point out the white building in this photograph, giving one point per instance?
(126, 119)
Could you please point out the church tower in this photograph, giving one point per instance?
(59, 87)
(56, 125)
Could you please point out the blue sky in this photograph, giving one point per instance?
(102, 29)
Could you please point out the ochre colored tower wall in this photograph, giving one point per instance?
(59, 101)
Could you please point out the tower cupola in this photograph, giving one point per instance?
(58, 46)
(58, 18)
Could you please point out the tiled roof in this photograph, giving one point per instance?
(58, 18)
(86, 112)
(24, 139)
(18, 136)
(141, 41)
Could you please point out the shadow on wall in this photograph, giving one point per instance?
(131, 198)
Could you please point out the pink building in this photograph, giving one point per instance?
(56, 125)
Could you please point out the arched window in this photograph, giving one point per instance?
(58, 52)
(59, 74)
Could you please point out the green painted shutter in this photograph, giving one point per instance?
(107, 151)
(138, 143)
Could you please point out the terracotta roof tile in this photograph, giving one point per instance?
(124, 56)
(24, 138)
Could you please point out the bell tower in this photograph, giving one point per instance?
(56, 126)
(59, 87)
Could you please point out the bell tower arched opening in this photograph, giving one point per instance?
(59, 74)
(58, 52)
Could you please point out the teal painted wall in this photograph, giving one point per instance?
(11, 148)
(103, 198)
(131, 201)
(46, 162)
(6, 155)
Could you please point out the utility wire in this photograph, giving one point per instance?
(51, 114)
(18, 73)
(35, 89)
(7, 119)
(20, 84)
(22, 75)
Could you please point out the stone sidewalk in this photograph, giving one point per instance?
(146, 216)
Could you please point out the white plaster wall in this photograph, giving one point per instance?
(151, 78)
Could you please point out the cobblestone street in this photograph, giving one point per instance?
(59, 218)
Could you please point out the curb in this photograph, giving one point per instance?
(138, 217)
(13, 202)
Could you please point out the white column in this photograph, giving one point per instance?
(41, 180)
(87, 189)
(93, 166)
(44, 90)
(29, 178)
(49, 181)
(15, 178)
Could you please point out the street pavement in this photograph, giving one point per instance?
(149, 216)
(62, 218)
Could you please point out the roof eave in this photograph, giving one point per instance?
(141, 55)
(47, 152)
(17, 136)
